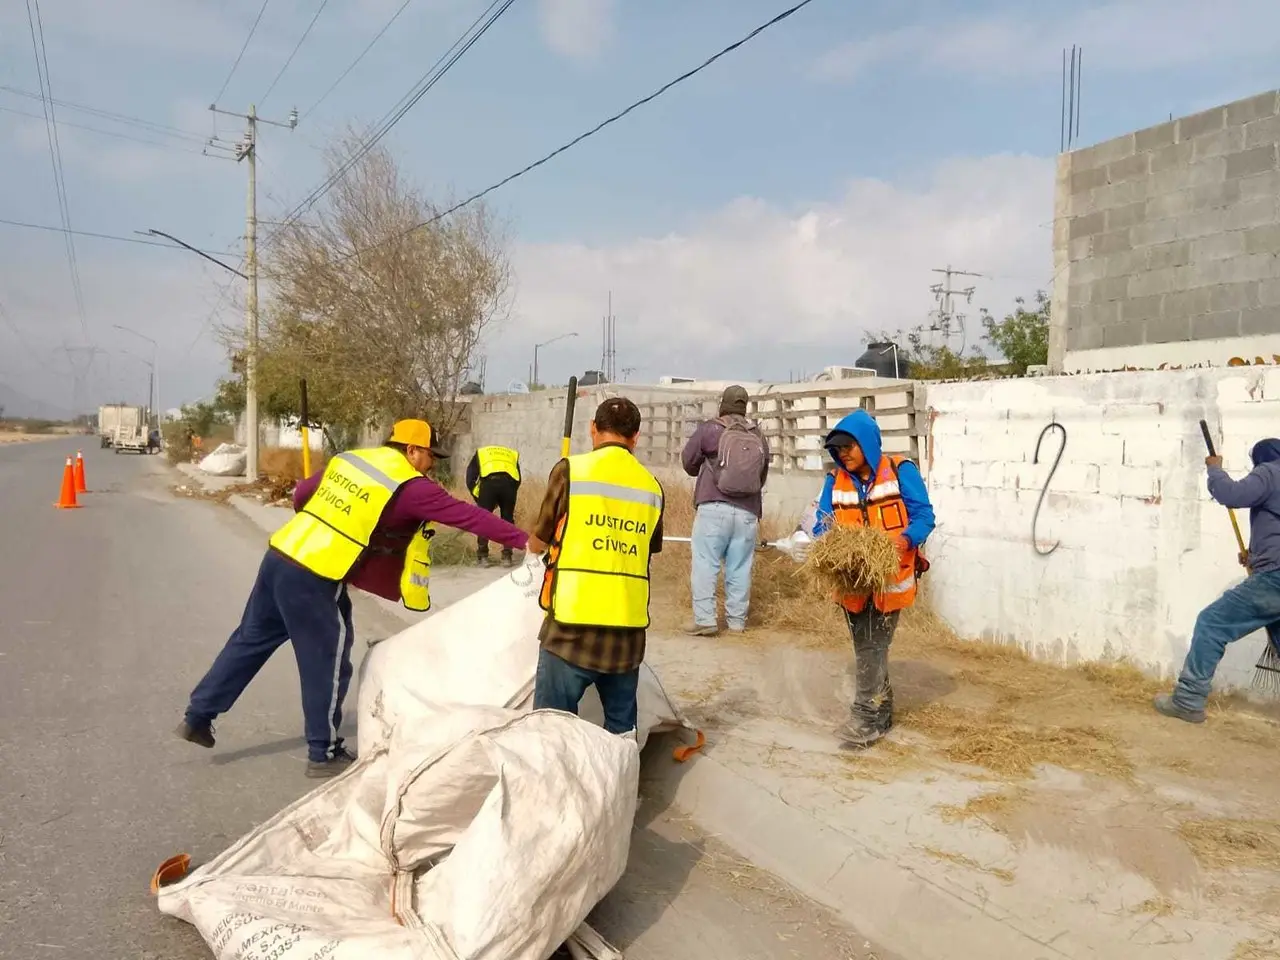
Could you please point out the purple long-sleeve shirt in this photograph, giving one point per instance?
(700, 452)
(418, 501)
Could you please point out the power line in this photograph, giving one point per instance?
(298, 46)
(456, 51)
(219, 305)
(112, 133)
(122, 118)
(105, 236)
(21, 338)
(36, 24)
(240, 55)
(593, 131)
(354, 63)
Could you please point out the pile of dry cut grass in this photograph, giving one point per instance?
(848, 560)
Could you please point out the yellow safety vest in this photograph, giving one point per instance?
(598, 570)
(329, 534)
(496, 460)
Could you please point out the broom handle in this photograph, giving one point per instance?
(571, 401)
(1235, 524)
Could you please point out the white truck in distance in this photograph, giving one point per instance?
(131, 430)
(108, 420)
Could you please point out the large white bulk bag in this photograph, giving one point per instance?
(469, 829)
(487, 835)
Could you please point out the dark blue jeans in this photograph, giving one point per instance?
(1249, 606)
(287, 602)
(559, 685)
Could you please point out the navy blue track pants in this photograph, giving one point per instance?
(287, 602)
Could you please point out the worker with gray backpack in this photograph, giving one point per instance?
(729, 455)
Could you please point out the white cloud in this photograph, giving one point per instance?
(755, 286)
(751, 291)
(577, 29)
(1126, 36)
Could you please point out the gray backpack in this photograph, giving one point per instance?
(740, 458)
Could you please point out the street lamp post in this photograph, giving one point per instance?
(539, 346)
(151, 383)
(155, 369)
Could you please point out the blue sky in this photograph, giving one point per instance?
(759, 218)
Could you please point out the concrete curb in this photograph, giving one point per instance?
(895, 907)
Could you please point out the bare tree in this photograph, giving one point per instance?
(382, 316)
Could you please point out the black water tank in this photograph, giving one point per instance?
(592, 378)
(886, 360)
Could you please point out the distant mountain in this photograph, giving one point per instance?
(18, 404)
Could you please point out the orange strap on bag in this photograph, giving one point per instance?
(169, 872)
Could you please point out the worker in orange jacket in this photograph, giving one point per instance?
(868, 488)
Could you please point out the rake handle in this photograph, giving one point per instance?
(1235, 524)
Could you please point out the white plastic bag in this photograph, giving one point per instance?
(482, 649)
(226, 460)
(488, 835)
(469, 829)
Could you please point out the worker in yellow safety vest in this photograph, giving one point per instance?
(493, 477)
(365, 520)
(866, 487)
(602, 517)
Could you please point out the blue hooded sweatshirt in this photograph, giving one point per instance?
(1260, 492)
(863, 428)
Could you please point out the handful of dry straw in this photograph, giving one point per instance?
(851, 560)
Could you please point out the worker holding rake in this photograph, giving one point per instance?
(1253, 604)
(868, 488)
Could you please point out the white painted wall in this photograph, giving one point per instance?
(1143, 547)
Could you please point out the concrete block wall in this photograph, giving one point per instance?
(534, 424)
(1142, 547)
(1166, 242)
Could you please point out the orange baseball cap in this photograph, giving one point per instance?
(416, 433)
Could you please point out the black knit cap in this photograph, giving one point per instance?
(733, 400)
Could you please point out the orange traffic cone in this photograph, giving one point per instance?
(79, 473)
(67, 499)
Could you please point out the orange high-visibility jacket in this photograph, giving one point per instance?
(883, 508)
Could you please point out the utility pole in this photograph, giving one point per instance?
(945, 315)
(246, 149)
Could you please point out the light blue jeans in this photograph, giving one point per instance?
(1246, 607)
(723, 536)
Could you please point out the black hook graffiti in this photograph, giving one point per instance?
(1035, 517)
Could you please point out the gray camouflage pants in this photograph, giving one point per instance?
(872, 633)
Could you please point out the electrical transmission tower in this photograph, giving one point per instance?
(80, 359)
(947, 324)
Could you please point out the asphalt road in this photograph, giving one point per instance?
(108, 616)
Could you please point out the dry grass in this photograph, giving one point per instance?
(994, 739)
(1234, 843)
(982, 807)
(960, 860)
(286, 465)
(1156, 907)
(1256, 950)
(1123, 681)
(849, 560)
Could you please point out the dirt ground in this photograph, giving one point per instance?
(6, 437)
(1064, 758)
